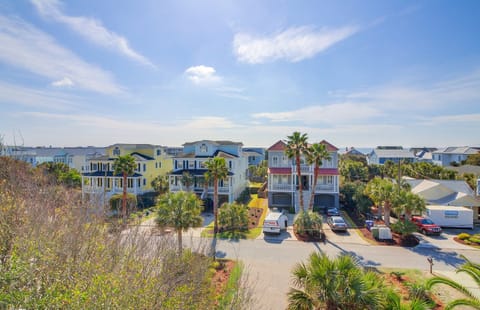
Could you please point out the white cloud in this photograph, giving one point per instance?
(89, 28)
(202, 75)
(294, 44)
(207, 122)
(327, 114)
(23, 46)
(26, 96)
(65, 82)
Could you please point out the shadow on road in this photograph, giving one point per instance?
(449, 258)
(360, 258)
(271, 238)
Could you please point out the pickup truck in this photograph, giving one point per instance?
(426, 226)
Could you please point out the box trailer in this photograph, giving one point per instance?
(451, 216)
(275, 222)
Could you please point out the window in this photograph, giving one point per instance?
(274, 161)
(144, 167)
(138, 167)
(116, 151)
(159, 152)
(144, 182)
(156, 165)
(203, 148)
(230, 165)
(191, 164)
(160, 165)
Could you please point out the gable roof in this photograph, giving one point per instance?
(330, 147)
(278, 146)
(465, 150)
(393, 153)
(215, 142)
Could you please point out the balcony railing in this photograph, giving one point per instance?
(281, 187)
(177, 188)
(325, 188)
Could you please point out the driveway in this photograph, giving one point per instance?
(445, 240)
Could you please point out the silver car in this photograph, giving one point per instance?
(337, 223)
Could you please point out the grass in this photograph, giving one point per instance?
(413, 275)
(231, 288)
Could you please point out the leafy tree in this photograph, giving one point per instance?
(353, 171)
(381, 192)
(332, 284)
(315, 154)
(470, 268)
(62, 174)
(125, 166)
(404, 228)
(406, 202)
(362, 202)
(309, 223)
(233, 217)
(296, 146)
(470, 179)
(473, 159)
(216, 171)
(187, 180)
(180, 210)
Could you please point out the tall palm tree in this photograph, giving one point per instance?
(180, 211)
(124, 165)
(407, 202)
(382, 192)
(470, 268)
(296, 145)
(187, 180)
(334, 284)
(315, 154)
(217, 170)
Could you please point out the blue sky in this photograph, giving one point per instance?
(356, 73)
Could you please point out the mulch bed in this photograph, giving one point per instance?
(254, 215)
(220, 278)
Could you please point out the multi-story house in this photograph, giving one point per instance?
(382, 154)
(99, 182)
(255, 155)
(192, 160)
(448, 155)
(283, 181)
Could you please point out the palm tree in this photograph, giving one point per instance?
(470, 268)
(124, 165)
(187, 180)
(180, 211)
(334, 284)
(381, 191)
(217, 170)
(296, 145)
(315, 154)
(407, 202)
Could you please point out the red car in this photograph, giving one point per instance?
(426, 226)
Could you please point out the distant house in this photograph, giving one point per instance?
(446, 193)
(99, 182)
(192, 160)
(382, 154)
(423, 154)
(444, 157)
(283, 182)
(255, 155)
(353, 151)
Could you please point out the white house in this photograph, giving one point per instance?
(444, 157)
(192, 160)
(283, 181)
(382, 154)
(446, 193)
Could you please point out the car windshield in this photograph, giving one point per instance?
(338, 220)
(427, 221)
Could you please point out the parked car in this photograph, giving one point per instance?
(333, 212)
(426, 226)
(337, 223)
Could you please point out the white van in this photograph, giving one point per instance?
(275, 222)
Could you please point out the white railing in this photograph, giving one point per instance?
(325, 188)
(281, 187)
(303, 169)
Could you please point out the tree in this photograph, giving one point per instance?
(315, 154)
(340, 283)
(180, 210)
(381, 191)
(296, 146)
(471, 269)
(124, 165)
(353, 171)
(216, 170)
(62, 174)
(187, 180)
(160, 184)
(473, 159)
(309, 223)
(233, 217)
(406, 202)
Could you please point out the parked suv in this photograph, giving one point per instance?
(426, 226)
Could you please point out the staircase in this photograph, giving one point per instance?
(306, 200)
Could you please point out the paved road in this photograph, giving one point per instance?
(269, 261)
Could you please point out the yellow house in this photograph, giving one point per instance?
(99, 182)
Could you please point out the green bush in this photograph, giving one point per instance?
(308, 222)
(474, 239)
(463, 236)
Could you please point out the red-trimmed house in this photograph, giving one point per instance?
(283, 184)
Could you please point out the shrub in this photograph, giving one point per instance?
(308, 222)
(474, 239)
(463, 236)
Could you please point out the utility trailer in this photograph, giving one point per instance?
(451, 216)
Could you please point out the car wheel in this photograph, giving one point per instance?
(424, 232)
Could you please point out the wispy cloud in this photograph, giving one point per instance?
(294, 44)
(209, 122)
(24, 46)
(65, 82)
(31, 97)
(89, 28)
(202, 75)
(328, 114)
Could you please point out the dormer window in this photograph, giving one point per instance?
(116, 151)
(203, 148)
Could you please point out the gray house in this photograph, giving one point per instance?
(382, 154)
(444, 157)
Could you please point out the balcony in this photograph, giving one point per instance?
(325, 188)
(281, 187)
(304, 169)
